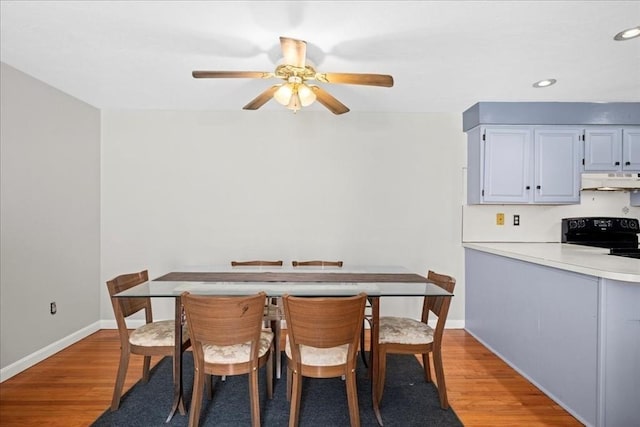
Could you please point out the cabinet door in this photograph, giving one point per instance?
(557, 165)
(620, 381)
(602, 149)
(631, 149)
(507, 174)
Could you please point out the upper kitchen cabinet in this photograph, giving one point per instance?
(557, 165)
(504, 157)
(534, 152)
(612, 149)
(523, 164)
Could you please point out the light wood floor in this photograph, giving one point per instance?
(73, 387)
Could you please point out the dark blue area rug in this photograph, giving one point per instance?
(408, 400)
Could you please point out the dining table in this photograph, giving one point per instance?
(276, 281)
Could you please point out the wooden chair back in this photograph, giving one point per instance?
(324, 322)
(438, 305)
(255, 263)
(318, 263)
(224, 320)
(125, 307)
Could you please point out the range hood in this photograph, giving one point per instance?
(611, 181)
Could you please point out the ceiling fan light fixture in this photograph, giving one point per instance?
(283, 93)
(306, 95)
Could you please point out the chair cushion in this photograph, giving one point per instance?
(403, 330)
(315, 356)
(237, 353)
(156, 334)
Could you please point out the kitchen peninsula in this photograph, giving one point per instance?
(565, 316)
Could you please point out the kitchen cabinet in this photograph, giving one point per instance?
(542, 321)
(620, 374)
(557, 165)
(575, 336)
(523, 164)
(612, 149)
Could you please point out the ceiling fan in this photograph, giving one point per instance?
(297, 71)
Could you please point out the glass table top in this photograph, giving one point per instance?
(277, 289)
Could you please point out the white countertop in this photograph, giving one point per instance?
(580, 259)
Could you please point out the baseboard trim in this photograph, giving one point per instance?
(45, 352)
(454, 324)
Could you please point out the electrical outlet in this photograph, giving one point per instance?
(499, 219)
(52, 308)
(516, 220)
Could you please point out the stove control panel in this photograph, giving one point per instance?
(605, 232)
(602, 224)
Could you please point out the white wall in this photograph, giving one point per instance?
(193, 188)
(50, 216)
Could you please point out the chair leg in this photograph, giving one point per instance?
(254, 398)
(270, 374)
(352, 398)
(276, 328)
(208, 386)
(427, 367)
(122, 373)
(289, 379)
(296, 392)
(145, 369)
(442, 387)
(382, 371)
(363, 353)
(196, 396)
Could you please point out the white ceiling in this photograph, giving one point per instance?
(444, 55)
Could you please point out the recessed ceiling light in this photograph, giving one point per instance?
(544, 83)
(628, 34)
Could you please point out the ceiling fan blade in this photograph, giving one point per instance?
(358, 79)
(231, 74)
(294, 51)
(326, 99)
(261, 99)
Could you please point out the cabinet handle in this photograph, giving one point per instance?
(528, 187)
(538, 187)
(617, 163)
(627, 163)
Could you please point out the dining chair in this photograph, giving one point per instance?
(228, 339)
(367, 315)
(151, 339)
(273, 313)
(322, 342)
(403, 335)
